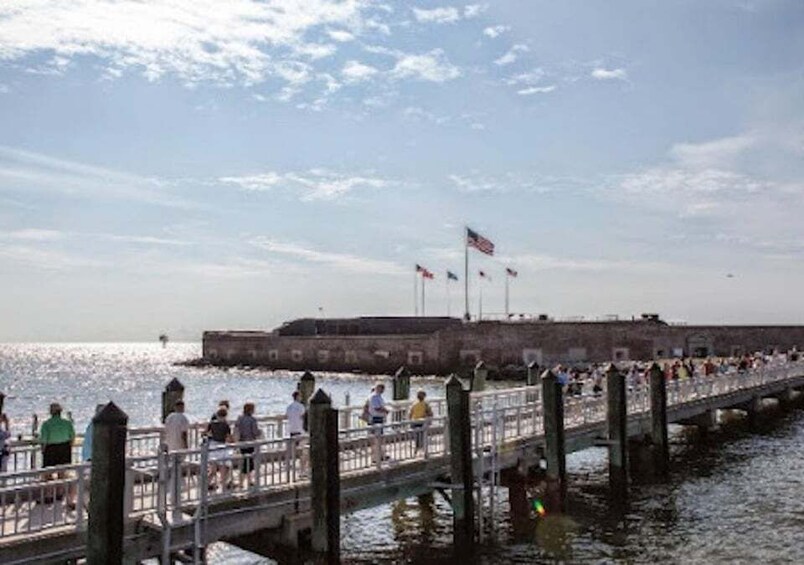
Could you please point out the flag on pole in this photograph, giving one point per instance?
(427, 274)
(474, 239)
(483, 275)
(419, 268)
(510, 272)
(451, 276)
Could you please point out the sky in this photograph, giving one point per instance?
(182, 165)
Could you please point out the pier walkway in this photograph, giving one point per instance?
(172, 503)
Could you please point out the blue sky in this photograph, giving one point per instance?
(188, 165)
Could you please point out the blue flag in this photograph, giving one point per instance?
(451, 276)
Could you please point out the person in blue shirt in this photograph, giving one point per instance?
(86, 447)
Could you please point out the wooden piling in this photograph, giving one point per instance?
(533, 374)
(306, 387)
(460, 445)
(658, 420)
(555, 450)
(174, 391)
(401, 384)
(107, 487)
(617, 419)
(479, 377)
(325, 479)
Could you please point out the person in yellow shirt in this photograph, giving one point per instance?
(419, 413)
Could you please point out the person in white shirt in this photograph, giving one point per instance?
(295, 414)
(377, 409)
(176, 428)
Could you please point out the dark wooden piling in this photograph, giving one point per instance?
(107, 487)
(325, 479)
(401, 384)
(306, 387)
(479, 377)
(555, 449)
(617, 419)
(460, 445)
(658, 420)
(533, 374)
(174, 391)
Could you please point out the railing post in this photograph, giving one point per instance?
(658, 420)
(555, 454)
(533, 374)
(325, 477)
(174, 391)
(617, 418)
(105, 535)
(479, 376)
(463, 505)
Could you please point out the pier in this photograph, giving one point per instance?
(157, 504)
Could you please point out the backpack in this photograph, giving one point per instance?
(366, 414)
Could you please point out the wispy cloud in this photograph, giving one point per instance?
(474, 182)
(443, 15)
(536, 90)
(22, 170)
(46, 259)
(342, 261)
(315, 184)
(495, 31)
(511, 55)
(432, 66)
(355, 71)
(609, 74)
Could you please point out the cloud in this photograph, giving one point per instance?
(511, 55)
(495, 31)
(609, 74)
(539, 262)
(355, 71)
(341, 261)
(474, 182)
(315, 184)
(196, 40)
(446, 15)
(474, 10)
(536, 90)
(717, 153)
(432, 67)
(46, 259)
(22, 170)
(4, 88)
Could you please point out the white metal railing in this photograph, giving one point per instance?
(178, 486)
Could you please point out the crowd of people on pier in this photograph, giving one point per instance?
(56, 435)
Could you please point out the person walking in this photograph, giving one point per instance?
(295, 414)
(247, 429)
(5, 435)
(377, 414)
(177, 427)
(56, 435)
(219, 434)
(420, 413)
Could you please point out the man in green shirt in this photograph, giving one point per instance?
(56, 436)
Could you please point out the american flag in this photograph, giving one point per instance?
(427, 274)
(510, 272)
(419, 268)
(474, 239)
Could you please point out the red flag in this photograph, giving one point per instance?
(427, 274)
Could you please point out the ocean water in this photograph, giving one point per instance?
(736, 496)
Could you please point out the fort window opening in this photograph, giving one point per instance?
(323, 355)
(351, 356)
(470, 356)
(415, 358)
(273, 355)
(382, 354)
(621, 354)
(297, 355)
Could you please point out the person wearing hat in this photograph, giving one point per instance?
(56, 437)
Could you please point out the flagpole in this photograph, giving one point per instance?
(480, 301)
(416, 293)
(466, 274)
(507, 314)
(424, 280)
(447, 283)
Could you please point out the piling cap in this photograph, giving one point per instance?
(320, 397)
(612, 368)
(402, 372)
(480, 366)
(453, 381)
(307, 376)
(174, 386)
(655, 367)
(111, 414)
(548, 374)
(533, 365)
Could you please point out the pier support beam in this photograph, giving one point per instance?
(787, 399)
(460, 447)
(401, 384)
(555, 450)
(107, 487)
(752, 408)
(174, 391)
(617, 419)
(658, 421)
(325, 479)
(519, 510)
(479, 377)
(706, 422)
